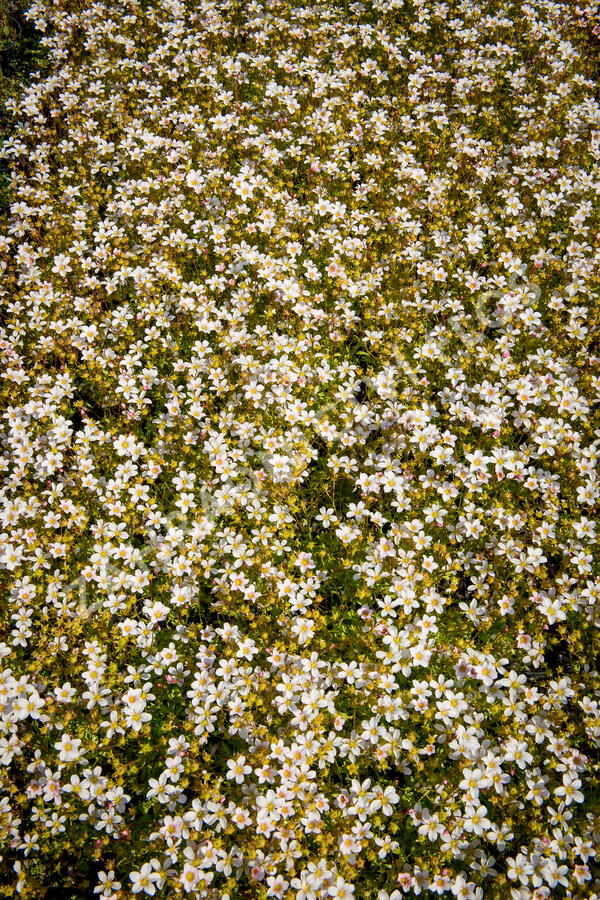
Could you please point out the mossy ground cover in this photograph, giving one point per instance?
(300, 397)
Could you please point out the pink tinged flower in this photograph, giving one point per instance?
(189, 877)
(277, 886)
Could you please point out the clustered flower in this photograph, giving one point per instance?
(299, 447)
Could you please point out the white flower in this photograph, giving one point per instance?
(238, 769)
(69, 748)
(144, 880)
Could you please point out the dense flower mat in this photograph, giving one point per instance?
(300, 437)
